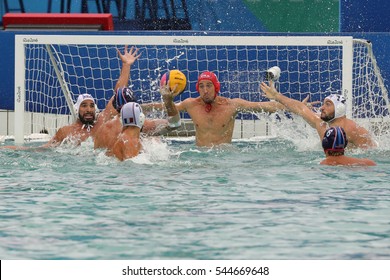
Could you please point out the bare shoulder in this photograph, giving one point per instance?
(107, 114)
(350, 125)
(190, 100)
(347, 161)
(69, 130)
(63, 132)
(358, 135)
(324, 162)
(353, 161)
(236, 102)
(60, 135)
(368, 162)
(359, 161)
(187, 103)
(233, 100)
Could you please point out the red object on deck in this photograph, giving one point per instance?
(58, 19)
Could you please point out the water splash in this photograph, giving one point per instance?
(155, 150)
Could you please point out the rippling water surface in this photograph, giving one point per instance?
(261, 199)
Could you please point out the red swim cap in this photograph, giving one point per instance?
(209, 76)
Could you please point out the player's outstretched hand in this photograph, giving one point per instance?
(310, 105)
(166, 93)
(269, 90)
(128, 56)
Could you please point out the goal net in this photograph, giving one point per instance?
(52, 70)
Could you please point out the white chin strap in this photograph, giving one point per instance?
(87, 126)
(142, 119)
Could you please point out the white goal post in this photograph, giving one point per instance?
(52, 70)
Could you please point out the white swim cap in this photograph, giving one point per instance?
(80, 99)
(131, 115)
(273, 74)
(340, 106)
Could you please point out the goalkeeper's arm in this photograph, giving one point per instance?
(173, 114)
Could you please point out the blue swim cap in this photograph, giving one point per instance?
(334, 139)
(122, 96)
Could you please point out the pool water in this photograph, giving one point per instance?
(261, 198)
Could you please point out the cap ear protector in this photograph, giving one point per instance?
(131, 115)
(335, 139)
(209, 76)
(142, 119)
(80, 99)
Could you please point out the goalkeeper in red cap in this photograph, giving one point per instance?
(213, 115)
